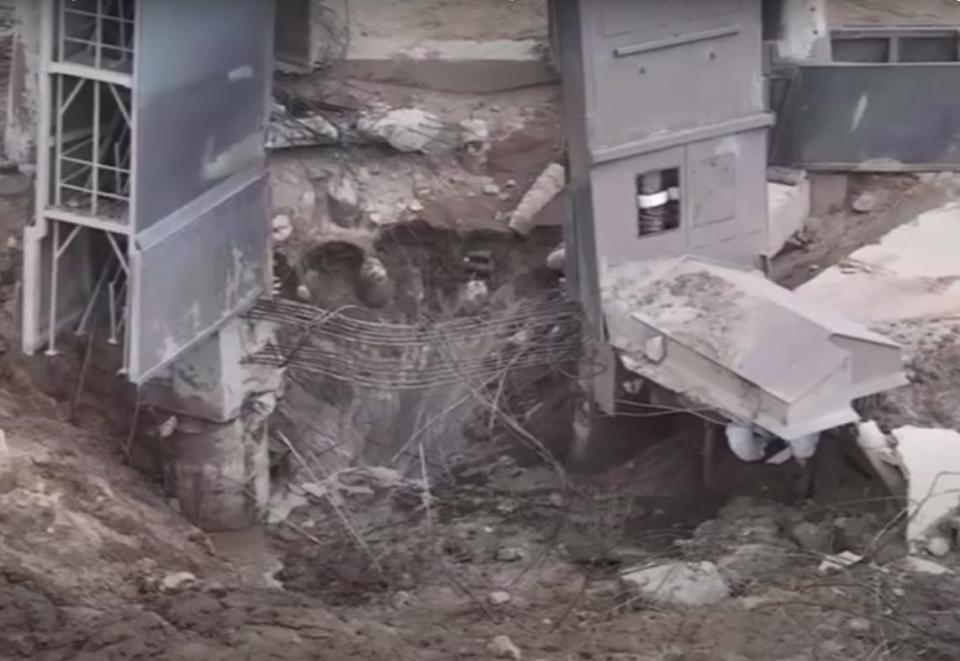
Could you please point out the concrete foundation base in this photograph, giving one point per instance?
(218, 466)
(789, 209)
(220, 473)
(828, 193)
(460, 66)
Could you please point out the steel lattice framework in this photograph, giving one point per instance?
(151, 196)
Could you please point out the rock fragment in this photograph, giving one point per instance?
(511, 554)
(343, 201)
(502, 647)
(410, 130)
(282, 228)
(864, 203)
(678, 583)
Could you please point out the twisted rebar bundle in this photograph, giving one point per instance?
(475, 349)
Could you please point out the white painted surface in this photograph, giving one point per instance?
(931, 459)
(789, 209)
(804, 31)
(918, 565)
(746, 445)
(913, 273)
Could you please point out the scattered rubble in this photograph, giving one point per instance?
(374, 559)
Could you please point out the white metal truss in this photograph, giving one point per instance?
(84, 168)
(154, 253)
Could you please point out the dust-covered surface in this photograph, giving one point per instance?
(448, 19)
(932, 356)
(828, 240)
(892, 13)
(688, 302)
(929, 343)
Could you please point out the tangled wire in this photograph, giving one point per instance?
(428, 354)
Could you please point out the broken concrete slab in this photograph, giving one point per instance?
(678, 583)
(789, 209)
(410, 130)
(882, 455)
(463, 66)
(547, 186)
(912, 273)
(839, 562)
(931, 461)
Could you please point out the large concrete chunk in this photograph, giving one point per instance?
(734, 341)
(789, 209)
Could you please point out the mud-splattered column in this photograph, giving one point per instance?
(217, 465)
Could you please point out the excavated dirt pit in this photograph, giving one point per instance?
(486, 535)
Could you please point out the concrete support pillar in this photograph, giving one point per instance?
(19, 139)
(221, 473)
(218, 465)
(804, 33)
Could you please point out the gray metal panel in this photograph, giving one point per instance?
(202, 69)
(616, 214)
(886, 117)
(579, 232)
(191, 281)
(661, 66)
(726, 195)
(294, 34)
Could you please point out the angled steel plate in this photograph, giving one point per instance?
(202, 75)
(191, 281)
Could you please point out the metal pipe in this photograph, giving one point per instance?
(54, 276)
(88, 310)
